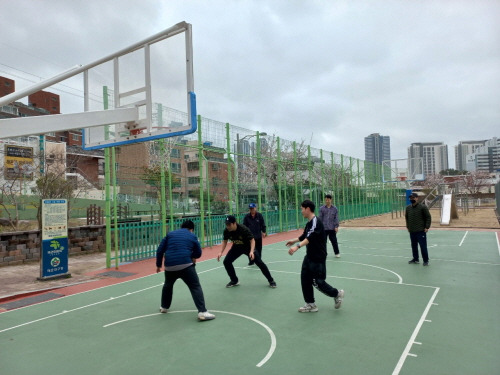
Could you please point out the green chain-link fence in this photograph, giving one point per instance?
(222, 168)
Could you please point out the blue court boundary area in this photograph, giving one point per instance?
(396, 318)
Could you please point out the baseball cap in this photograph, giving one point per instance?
(230, 219)
(414, 195)
(252, 205)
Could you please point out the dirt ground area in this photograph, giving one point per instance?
(480, 218)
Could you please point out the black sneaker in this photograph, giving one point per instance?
(272, 284)
(413, 261)
(425, 264)
(251, 263)
(232, 283)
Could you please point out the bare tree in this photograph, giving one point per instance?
(10, 197)
(54, 184)
(273, 172)
(21, 180)
(431, 180)
(475, 182)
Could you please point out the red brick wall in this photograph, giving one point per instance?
(7, 86)
(45, 100)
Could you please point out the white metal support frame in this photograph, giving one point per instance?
(127, 116)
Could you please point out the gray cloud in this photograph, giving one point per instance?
(333, 71)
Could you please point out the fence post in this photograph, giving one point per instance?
(229, 162)
(106, 186)
(334, 187)
(201, 156)
(295, 183)
(259, 172)
(280, 203)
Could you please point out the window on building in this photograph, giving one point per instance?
(215, 167)
(175, 153)
(175, 167)
(193, 166)
(193, 180)
(75, 137)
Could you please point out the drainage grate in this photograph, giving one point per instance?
(118, 274)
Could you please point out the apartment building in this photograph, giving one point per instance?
(377, 149)
(433, 154)
(463, 149)
(485, 158)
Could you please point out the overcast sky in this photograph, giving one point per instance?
(327, 72)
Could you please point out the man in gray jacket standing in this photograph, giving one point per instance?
(329, 216)
(418, 221)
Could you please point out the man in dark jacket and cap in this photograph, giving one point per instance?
(418, 221)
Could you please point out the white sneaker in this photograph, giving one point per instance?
(163, 311)
(337, 255)
(205, 316)
(339, 298)
(308, 307)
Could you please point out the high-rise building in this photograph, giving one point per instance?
(486, 158)
(377, 149)
(463, 149)
(434, 155)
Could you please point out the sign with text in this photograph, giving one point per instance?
(54, 260)
(18, 162)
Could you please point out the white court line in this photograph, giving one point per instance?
(406, 352)
(400, 363)
(90, 305)
(433, 259)
(498, 243)
(340, 261)
(463, 239)
(269, 330)
(385, 269)
(79, 308)
(351, 278)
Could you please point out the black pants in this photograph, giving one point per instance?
(190, 277)
(258, 249)
(332, 236)
(313, 274)
(419, 238)
(235, 253)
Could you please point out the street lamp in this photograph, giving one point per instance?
(239, 141)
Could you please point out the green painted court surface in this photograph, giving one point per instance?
(396, 318)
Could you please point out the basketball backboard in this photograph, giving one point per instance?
(131, 83)
(403, 171)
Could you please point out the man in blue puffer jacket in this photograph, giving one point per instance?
(181, 249)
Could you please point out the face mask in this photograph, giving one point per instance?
(412, 200)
